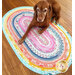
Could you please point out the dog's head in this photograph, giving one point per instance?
(42, 10)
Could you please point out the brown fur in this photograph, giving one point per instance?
(53, 12)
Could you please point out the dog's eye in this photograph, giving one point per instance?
(45, 10)
(38, 9)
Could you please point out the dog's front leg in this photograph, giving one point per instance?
(25, 35)
(43, 29)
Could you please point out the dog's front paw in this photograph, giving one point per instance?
(20, 41)
(40, 32)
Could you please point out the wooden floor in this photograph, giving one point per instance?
(11, 65)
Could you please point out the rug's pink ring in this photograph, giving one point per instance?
(35, 40)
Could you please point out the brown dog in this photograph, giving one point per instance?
(44, 11)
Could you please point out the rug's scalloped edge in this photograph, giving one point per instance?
(20, 58)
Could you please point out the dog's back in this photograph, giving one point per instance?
(51, 1)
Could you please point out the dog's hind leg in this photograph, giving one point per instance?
(56, 10)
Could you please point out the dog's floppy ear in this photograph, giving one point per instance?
(35, 11)
(35, 7)
(50, 7)
(49, 14)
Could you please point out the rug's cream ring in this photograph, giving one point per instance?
(39, 53)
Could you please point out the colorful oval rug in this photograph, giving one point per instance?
(45, 53)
